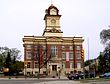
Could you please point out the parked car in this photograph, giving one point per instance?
(91, 75)
(105, 75)
(73, 76)
(81, 76)
(87, 75)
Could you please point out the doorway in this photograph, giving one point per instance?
(54, 67)
(54, 70)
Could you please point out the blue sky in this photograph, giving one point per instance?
(86, 18)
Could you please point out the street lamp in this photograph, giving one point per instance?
(25, 71)
(49, 68)
(59, 71)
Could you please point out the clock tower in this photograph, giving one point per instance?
(52, 53)
(52, 22)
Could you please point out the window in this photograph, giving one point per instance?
(70, 47)
(63, 55)
(71, 55)
(44, 48)
(78, 47)
(79, 65)
(28, 65)
(28, 73)
(28, 54)
(44, 72)
(35, 47)
(71, 65)
(36, 65)
(28, 46)
(53, 11)
(79, 72)
(35, 55)
(36, 73)
(63, 48)
(63, 65)
(53, 50)
(44, 54)
(78, 54)
(71, 72)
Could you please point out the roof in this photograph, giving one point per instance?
(52, 6)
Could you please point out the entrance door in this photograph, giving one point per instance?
(54, 70)
(54, 67)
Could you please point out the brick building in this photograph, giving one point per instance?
(52, 53)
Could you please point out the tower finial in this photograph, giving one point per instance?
(51, 2)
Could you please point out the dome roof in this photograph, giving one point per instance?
(52, 6)
(47, 11)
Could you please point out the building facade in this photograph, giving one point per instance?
(52, 53)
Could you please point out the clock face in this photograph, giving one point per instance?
(53, 21)
(53, 12)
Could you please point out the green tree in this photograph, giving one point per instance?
(17, 67)
(88, 62)
(8, 61)
(15, 54)
(3, 55)
(102, 61)
(8, 64)
(105, 37)
(9, 58)
(105, 40)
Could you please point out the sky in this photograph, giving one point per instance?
(86, 18)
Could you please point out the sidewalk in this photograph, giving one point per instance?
(60, 82)
(56, 78)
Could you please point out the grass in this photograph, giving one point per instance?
(94, 80)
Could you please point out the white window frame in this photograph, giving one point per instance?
(70, 47)
(29, 65)
(78, 54)
(35, 65)
(28, 55)
(63, 55)
(71, 55)
(78, 47)
(78, 65)
(28, 46)
(63, 47)
(44, 47)
(64, 65)
(71, 65)
(54, 50)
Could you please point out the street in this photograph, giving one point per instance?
(38, 81)
(48, 81)
(101, 82)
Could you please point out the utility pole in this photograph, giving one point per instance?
(82, 56)
(84, 69)
(88, 59)
(94, 68)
